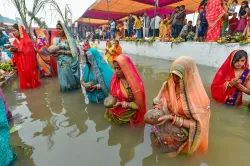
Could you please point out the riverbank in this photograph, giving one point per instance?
(208, 54)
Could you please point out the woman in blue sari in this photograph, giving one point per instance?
(67, 60)
(6, 154)
(99, 73)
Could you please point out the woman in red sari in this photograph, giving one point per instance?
(214, 15)
(53, 35)
(24, 58)
(127, 87)
(232, 79)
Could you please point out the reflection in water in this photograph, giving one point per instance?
(128, 138)
(64, 130)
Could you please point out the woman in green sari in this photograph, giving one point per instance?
(67, 60)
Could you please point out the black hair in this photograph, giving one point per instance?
(242, 11)
(190, 22)
(138, 16)
(239, 54)
(183, 6)
(236, 1)
(88, 63)
(15, 26)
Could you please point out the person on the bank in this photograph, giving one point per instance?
(99, 74)
(202, 30)
(24, 58)
(186, 29)
(117, 49)
(108, 53)
(225, 18)
(67, 60)
(7, 156)
(243, 13)
(137, 26)
(232, 79)
(180, 17)
(127, 87)
(185, 102)
(42, 56)
(233, 22)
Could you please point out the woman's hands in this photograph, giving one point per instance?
(14, 49)
(165, 118)
(234, 82)
(122, 104)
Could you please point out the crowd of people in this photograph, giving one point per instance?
(113, 78)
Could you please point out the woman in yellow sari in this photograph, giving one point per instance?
(166, 27)
(108, 53)
(162, 26)
(185, 103)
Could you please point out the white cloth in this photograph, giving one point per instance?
(112, 25)
(125, 25)
(157, 22)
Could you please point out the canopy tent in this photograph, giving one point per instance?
(161, 3)
(97, 14)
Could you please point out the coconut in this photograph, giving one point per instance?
(110, 101)
(88, 85)
(152, 116)
(53, 49)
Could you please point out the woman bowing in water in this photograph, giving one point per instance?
(232, 79)
(97, 75)
(24, 58)
(67, 60)
(128, 89)
(184, 104)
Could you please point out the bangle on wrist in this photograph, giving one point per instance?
(173, 122)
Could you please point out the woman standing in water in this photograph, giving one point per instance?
(24, 58)
(117, 49)
(42, 56)
(185, 103)
(97, 75)
(53, 36)
(127, 87)
(108, 53)
(7, 156)
(232, 79)
(67, 60)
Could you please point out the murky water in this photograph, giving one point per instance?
(65, 131)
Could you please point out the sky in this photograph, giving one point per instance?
(7, 9)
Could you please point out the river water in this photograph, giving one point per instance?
(65, 131)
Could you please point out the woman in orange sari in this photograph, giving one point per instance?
(42, 56)
(24, 58)
(185, 103)
(232, 79)
(127, 87)
(117, 49)
(120, 31)
(214, 15)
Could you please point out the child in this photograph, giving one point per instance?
(232, 7)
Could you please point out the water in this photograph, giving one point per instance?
(65, 131)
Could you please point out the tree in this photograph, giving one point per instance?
(26, 16)
(38, 21)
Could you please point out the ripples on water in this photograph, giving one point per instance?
(65, 131)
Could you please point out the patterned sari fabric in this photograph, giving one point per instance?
(42, 56)
(7, 156)
(118, 49)
(68, 66)
(8, 113)
(134, 94)
(98, 72)
(53, 63)
(193, 104)
(220, 89)
(25, 61)
(214, 14)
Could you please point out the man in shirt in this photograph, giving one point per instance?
(131, 21)
(180, 17)
(174, 26)
(125, 24)
(146, 25)
(186, 29)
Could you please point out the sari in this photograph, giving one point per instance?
(192, 104)
(25, 61)
(42, 56)
(53, 63)
(220, 90)
(68, 66)
(97, 71)
(8, 113)
(120, 31)
(117, 49)
(243, 20)
(166, 28)
(7, 156)
(214, 14)
(108, 56)
(224, 22)
(134, 94)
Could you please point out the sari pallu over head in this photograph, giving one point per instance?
(101, 70)
(219, 89)
(135, 83)
(195, 103)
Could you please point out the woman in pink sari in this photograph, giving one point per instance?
(214, 15)
(127, 87)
